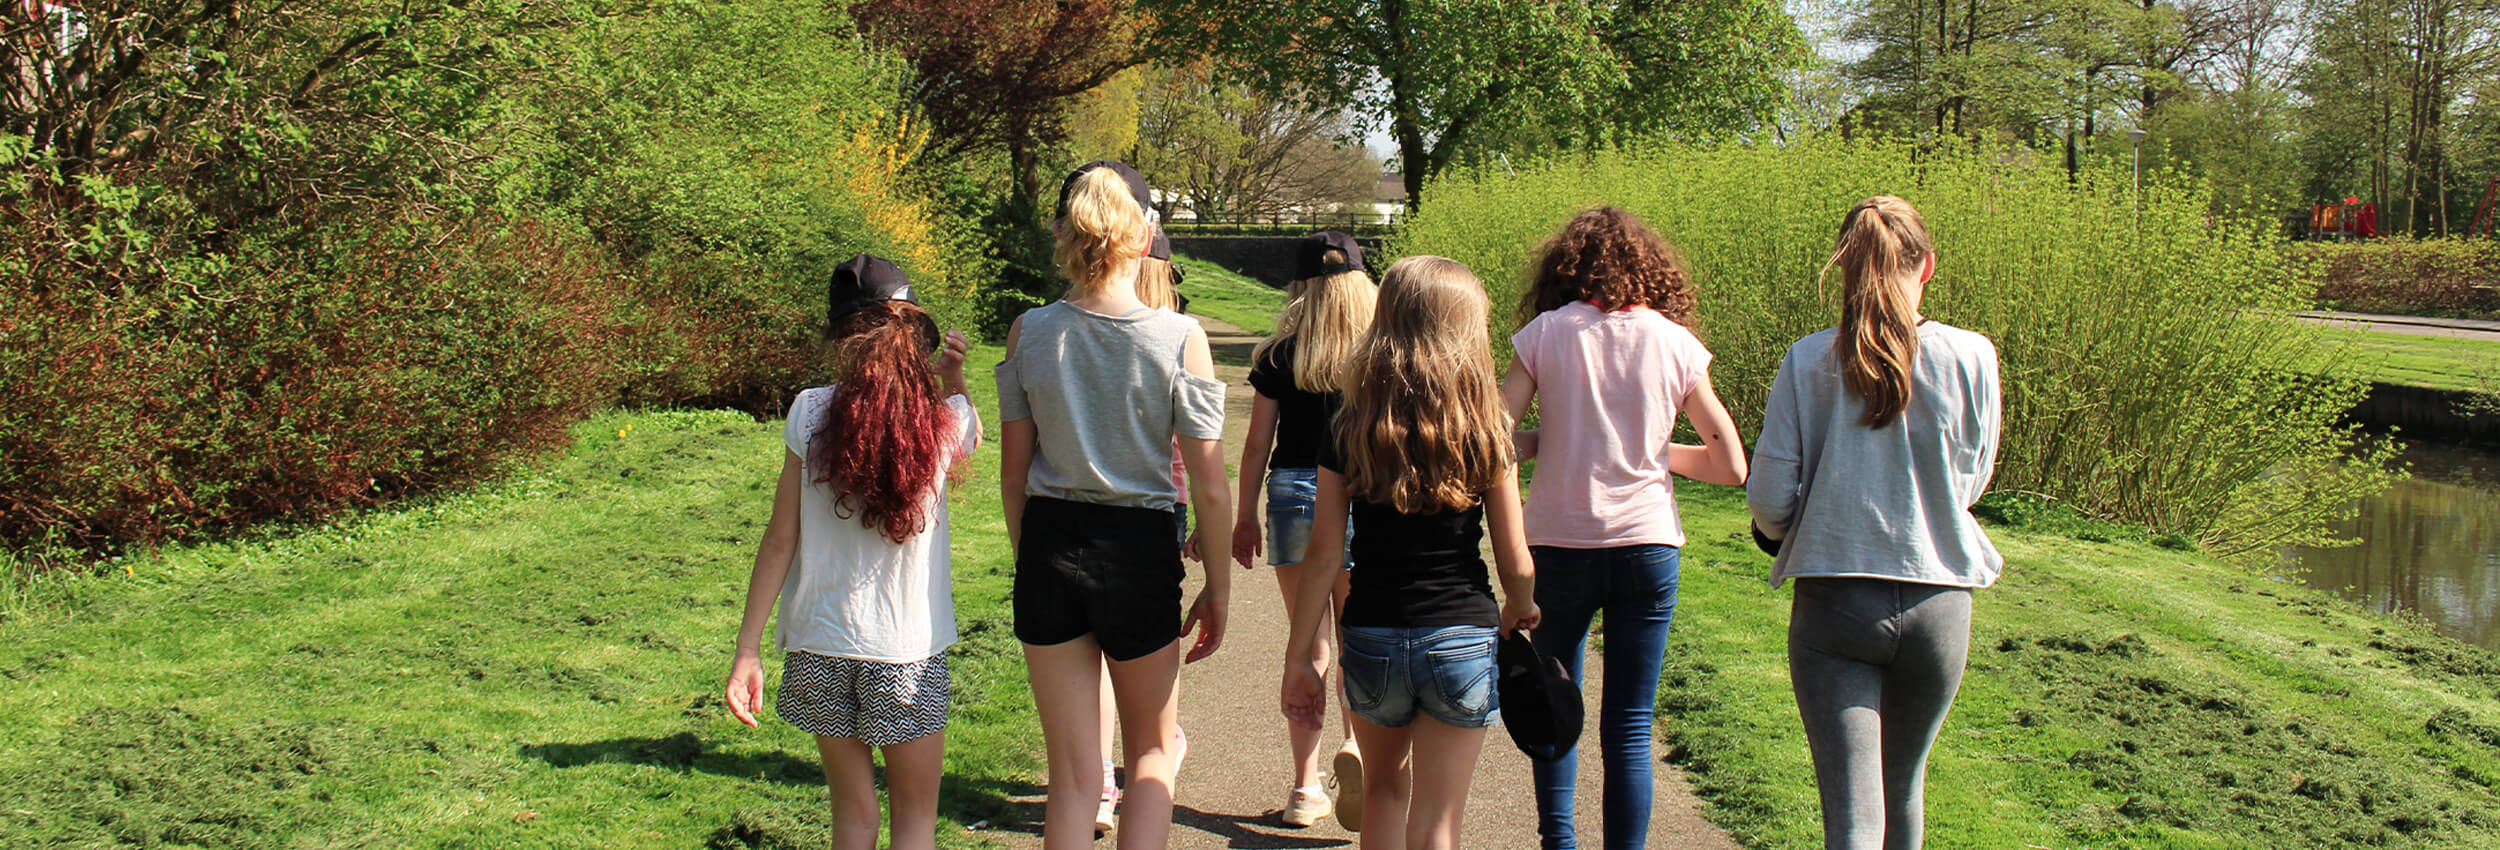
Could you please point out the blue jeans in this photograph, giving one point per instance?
(1292, 497)
(1445, 672)
(1635, 587)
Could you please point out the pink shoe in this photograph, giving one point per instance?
(1105, 810)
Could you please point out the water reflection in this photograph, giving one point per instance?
(2430, 545)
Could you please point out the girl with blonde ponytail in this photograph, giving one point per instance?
(1094, 389)
(1878, 436)
(1297, 374)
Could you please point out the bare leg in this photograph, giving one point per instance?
(1304, 752)
(1067, 696)
(851, 781)
(1445, 760)
(1386, 781)
(1148, 690)
(912, 771)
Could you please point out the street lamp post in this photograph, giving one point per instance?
(2136, 137)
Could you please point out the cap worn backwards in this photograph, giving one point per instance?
(1310, 257)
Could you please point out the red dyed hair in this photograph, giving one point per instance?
(882, 437)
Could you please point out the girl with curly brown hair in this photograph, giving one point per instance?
(1606, 352)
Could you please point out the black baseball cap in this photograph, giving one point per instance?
(866, 279)
(1309, 257)
(1136, 184)
(1540, 704)
(1160, 247)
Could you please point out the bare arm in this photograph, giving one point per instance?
(1511, 564)
(772, 564)
(1518, 388)
(1720, 459)
(1304, 698)
(1015, 456)
(1253, 475)
(1210, 497)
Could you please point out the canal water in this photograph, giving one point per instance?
(2430, 545)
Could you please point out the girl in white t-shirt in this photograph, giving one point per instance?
(857, 555)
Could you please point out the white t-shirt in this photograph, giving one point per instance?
(853, 593)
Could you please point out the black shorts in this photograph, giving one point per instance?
(1105, 570)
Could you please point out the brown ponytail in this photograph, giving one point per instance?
(879, 441)
(1883, 243)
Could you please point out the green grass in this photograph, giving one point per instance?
(2119, 694)
(536, 663)
(2443, 363)
(1216, 292)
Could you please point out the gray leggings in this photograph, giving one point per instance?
(1875, 664)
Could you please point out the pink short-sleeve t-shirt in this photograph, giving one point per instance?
(1608, 387)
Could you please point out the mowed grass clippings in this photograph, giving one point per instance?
(539, 663)
(2117, 695)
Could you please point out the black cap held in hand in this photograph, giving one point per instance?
(1310, 255)
(1136, 185)
(1540, 704)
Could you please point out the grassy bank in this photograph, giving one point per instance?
(1217, 292)
(2435, 362)
(2118, 695)
(537, 663)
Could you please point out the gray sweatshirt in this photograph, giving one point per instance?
(1890, 502)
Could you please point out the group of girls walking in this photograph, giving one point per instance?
(1388, 452)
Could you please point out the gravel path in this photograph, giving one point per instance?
(1234, 781)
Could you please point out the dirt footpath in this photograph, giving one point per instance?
(1234, 782)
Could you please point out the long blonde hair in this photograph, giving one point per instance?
(1325, 318)
(1883, 244)
(1423, 427)
(1102, 229)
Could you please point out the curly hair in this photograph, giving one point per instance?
(1608, 258)
(882, 440)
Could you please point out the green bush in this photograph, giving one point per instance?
(2425, 277)
(2135, 388)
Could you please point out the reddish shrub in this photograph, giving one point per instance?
(2446, 277)
(139, 405)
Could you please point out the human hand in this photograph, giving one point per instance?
(1189, 549)
(746, 686)
(1521, 615)
(1246, 544)
(953, 349)
(1304, 696)
(1206, 616)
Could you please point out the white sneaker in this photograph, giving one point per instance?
(1346, 772)
(1304, 806)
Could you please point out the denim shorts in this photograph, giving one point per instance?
(1442, 671)
(1292, 497)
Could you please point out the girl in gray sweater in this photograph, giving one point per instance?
(1878, 436)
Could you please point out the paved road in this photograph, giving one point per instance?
(1234, 781)
(2407, 325)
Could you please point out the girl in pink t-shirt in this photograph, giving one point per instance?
(1606, 354)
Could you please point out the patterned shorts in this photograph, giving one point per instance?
(877, 702)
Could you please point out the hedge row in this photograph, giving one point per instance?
(2429, 277)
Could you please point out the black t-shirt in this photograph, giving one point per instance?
(1301, 416)
(1415, 570)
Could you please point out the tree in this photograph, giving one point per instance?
(1229, 151)
(998, 75)
(2382, 79)
(1448, 77)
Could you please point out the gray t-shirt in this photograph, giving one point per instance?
(1106, 395)
(1891, 502)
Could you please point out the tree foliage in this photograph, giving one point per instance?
(1453, 78)
(1228, 151)
(999, 75)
